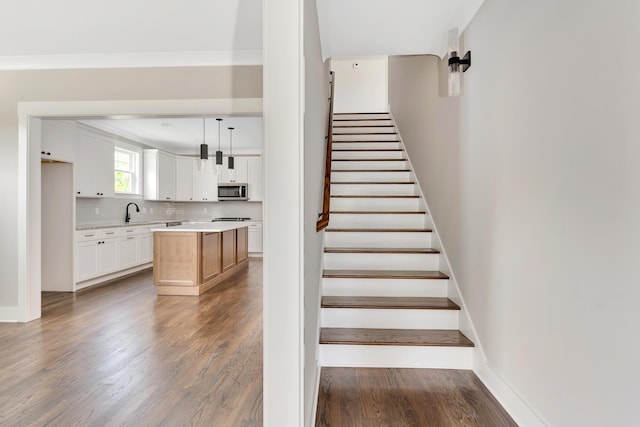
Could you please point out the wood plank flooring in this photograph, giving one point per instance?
(120, 355)
(351, 397)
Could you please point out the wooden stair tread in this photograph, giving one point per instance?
(384, 274)
(331, 250)
(363, 119)
(357, 196)
(363, 126)
(418, 303)
(361, 150)
(399, 337)
(359, 114)
(378, 212)
(373, 182)
(370, 170)
(368, 160)
(379, 230)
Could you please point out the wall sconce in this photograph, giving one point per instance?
(457, 65)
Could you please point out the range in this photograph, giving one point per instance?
(230, 219)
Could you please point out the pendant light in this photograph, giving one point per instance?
(204, 148)
(231, 159)
(219, 152)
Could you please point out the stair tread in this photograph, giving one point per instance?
(363, 126)
(385, 274)
(359, 114)
(364, 133)
(370, 170)
(424, 303)
(400, 337)
(357, 196)
(361, 150)
(373, 182)
(364, 140)
(332, 250)
(368, 160)
(378, 212)
(380, 230)
(364, 119)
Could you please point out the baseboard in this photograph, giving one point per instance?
(9, 314)
(512, 402)
(255, 254)
(311, 421)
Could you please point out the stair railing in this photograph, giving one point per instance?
(323, 222)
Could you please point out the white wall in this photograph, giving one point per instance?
(361, 84)
(315, 130)
(532, 178)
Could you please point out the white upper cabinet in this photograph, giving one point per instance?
(254, 180)
(184, 179)
(159, 175)
(238, 174)
(58, 140)
(205, 181)
(93, 165)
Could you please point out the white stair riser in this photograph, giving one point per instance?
(335, 261)
(374, 189)
(385, 287)
(413, 221)
(388, 318)
(372, 239)
(395, 164)
(369, 116)
(335, 155)
(365, 145)
(376, 204)
(369, 137)
(381, 356)
(364, 130)
(370, 176)
(344, 122)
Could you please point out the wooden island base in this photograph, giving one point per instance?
(190, 263)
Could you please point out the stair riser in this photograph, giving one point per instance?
(377, 240)
(381, 356)
(377, 220)
(365, 145)
(370, 176)
(335, 261)
(374, 189)
(365, 130)
(389, 318)
(395, 164)
(361, 204)
(366, 137)
(335, 155)
(342, 122)
(362, 116)
(385, 287)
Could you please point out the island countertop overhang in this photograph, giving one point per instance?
(202, 227)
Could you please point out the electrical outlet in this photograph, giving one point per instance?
(97, 211)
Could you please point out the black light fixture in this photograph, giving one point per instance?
(231, 159)
(204, 148)
(219, 152)
(457, 66)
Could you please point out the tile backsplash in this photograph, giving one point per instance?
(112, 211)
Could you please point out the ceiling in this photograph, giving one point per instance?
(183, 135)
(385, 27)
(36, 33)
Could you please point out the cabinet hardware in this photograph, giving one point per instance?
(130, 238)
(77, 192)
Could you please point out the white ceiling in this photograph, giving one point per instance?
(183, 135)
(36, 31)
(386, 27)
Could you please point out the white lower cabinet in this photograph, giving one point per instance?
(110, 251)
(255, 237)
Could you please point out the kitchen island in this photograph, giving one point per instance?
(190, 259)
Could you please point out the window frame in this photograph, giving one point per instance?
(135, 154)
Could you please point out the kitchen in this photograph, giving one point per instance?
(97, 213)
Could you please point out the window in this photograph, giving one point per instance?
(127, 167)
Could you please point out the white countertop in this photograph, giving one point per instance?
(201, 227)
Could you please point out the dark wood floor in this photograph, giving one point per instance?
(354, 397)
(120, 355)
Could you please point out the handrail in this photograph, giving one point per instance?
(323, 222)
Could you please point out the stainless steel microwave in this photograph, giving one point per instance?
(233, 191)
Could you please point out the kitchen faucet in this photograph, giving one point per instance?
(128, 217)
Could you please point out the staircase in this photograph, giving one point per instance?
(384, 300)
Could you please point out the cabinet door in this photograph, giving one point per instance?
(211, 256)
(166, 177)
(228, 249)
(205, 181)
(93, 165)
(104, 166)
(58, 140)
(241, 169)
(86, 260)
(185, 178)
(241, 244)
(128, 252)
(255, 178)
(146, 248)
(107, 256)
(84, 181)
(255, 239)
